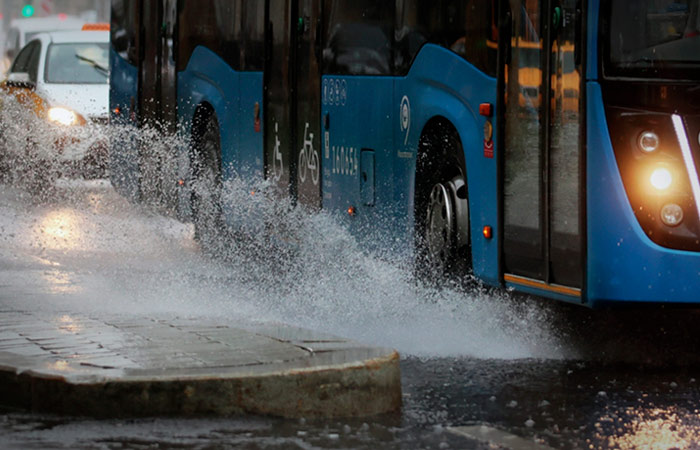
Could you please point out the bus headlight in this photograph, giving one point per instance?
(63, 116)
(671, 215)
(648, 141)
(658, 169)
(661, 179)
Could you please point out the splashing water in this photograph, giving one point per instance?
(86, 249)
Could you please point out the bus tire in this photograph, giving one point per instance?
(206, 185)
(442, 237)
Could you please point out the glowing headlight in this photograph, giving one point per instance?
(63, 116)
(661, 179)
(648, 141)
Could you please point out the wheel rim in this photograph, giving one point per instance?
(457, 188)
(439, 233)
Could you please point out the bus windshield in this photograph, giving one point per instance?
(654, 39)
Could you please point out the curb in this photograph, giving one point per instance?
(366, 388)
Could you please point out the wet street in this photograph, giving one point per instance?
(473, 361)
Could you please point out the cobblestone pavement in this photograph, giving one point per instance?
(115, 366)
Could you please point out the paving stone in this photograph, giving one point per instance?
(28, 350)
(13, 342)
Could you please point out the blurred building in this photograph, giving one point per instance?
(92, 10)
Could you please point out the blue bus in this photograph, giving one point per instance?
(549, 146)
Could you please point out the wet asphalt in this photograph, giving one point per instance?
(626, 379)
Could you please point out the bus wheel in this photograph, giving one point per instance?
(442, 238)
(206, 182)
(447, 225)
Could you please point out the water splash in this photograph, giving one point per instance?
(107, 256)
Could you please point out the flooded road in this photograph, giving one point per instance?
(558, 376)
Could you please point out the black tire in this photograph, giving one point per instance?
(206, 182)
(442, 237)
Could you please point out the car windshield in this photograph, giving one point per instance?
(83, 63)
(654, 38)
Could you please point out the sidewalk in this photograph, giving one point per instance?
(117, 367)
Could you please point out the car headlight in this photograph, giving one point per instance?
(64, 116)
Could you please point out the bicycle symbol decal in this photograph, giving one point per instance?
(308, 158)
(277, 165)
(405, 115)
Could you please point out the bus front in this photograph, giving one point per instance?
(644, 152)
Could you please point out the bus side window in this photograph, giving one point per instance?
(358, 37)
(213, 24)
(468, 28)
(481, 35)
(124, 16)
(253, 28)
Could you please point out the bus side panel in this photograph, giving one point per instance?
(623, 263)
(248, 161)
(123, 154)
(360, 119)
(208, 79)
(441, 83)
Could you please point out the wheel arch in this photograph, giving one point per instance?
(427, 156)
(202, 113)
(440, 158)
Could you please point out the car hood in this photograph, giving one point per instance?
(89, 100)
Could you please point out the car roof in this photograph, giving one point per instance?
(64, 37)
(46, 24)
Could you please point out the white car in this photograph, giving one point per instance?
(63, 77)
(22, 31)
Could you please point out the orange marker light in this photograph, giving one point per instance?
(486, 109)
(351, 211)
(117, 111)
(180, 182)
(488, 232)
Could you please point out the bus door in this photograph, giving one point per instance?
(292, 99)
(158, 96)
(123, 92)
(307, 151)
(543, 183)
